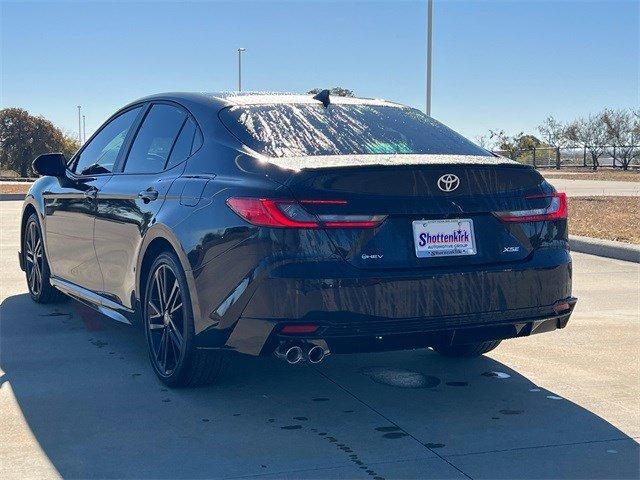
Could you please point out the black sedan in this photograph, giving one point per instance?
(295, 226)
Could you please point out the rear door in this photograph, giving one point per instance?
(70, 208)
(417, 201)
(128, 204)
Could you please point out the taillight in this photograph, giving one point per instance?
(290, 214)
(556, 210)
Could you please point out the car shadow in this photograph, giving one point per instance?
(82, 385)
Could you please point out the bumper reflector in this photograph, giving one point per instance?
(299, 329)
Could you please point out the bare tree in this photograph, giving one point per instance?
(505, 143)
(623, 130)
(483, 140)
(590, 133)
(552, 132)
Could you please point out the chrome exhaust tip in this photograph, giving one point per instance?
(316, 354)
(293, 355)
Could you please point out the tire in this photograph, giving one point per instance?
(466, 351)
(169, 328)
(36, 266)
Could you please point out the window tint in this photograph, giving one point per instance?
(291, 130)
(101, 153)
(154, 140)
(182, 148)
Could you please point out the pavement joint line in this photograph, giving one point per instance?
(280, 472)
(313, 469)
(373, 409)
(535, 447)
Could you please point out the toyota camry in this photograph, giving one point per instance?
(297, 226)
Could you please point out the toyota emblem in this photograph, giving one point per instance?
(448, 182)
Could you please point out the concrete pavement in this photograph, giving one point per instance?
(78, 400)
(588, 188)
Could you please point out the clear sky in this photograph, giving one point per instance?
(497, 64)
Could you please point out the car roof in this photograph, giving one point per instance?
(226, 99)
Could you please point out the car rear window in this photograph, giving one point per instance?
(295, 130)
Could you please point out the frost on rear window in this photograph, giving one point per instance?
(300, 130)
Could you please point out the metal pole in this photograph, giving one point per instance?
(534, 157)
(429, 51)
(240, 50)
(79, 126)
(84, 129)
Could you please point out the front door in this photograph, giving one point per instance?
(70, 206)
(70, 209)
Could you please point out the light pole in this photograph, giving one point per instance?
(429, 49)
(84, 129)
(79, 125)
(240, 50)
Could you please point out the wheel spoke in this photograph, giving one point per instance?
(31, 277)
(32, 234)
(35, 279)
(160, 346)
(157, 312)
(176, 355)
(164, 351)
(175, 308)
(38, 278)
(159, 289)
(173, 295)
(163, 276)
(37, 251)
(156, 326)
(175, 335)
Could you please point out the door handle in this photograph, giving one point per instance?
(148, 195)
(91, 193)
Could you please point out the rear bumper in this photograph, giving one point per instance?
(352, 312)
(261, 337)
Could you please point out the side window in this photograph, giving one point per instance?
(182, 148)
(155, 139)
(101, 153)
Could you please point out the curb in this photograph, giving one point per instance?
(605, 248)
(12, 196)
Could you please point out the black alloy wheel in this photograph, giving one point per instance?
(168, 324)
(35, 264)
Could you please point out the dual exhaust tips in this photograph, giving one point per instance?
(293, 354)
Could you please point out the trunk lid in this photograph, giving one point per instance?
(410, 192)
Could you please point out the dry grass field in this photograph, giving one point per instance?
(611, 218)
(14, 187)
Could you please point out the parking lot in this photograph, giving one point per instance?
(78, 399)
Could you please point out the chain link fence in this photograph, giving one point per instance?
(619, 156)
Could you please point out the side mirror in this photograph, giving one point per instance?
(51, 165)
